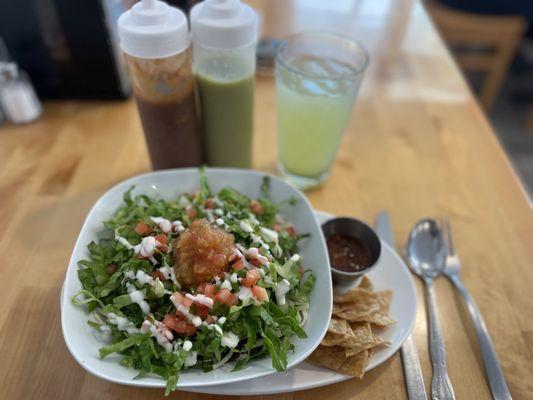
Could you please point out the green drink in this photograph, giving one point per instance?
(226, 109)
(316, 87)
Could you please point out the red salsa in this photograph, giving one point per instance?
(347, 253)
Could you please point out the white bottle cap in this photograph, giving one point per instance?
(153, 29)
(223, 24)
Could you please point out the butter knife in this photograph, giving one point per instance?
(411, 365)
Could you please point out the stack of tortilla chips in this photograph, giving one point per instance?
(347, 346)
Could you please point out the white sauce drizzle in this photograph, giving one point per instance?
(269, 235)
(178, 226)
(122, 323)
(168, 273)
(123, 241)
(253, 253)
(229, 339)
(143, 278)
(193, 319)
(244, 293)
(201, 299)
(191, 359)
(283, 287)
(164, 224)
(162, 334)
(245, 227)
(139, 298)
(226, 285)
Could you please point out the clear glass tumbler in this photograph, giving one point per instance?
(317, 80)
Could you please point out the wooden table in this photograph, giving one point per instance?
(417, 145)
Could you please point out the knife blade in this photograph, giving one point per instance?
(416, 389)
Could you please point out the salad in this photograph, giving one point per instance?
(201, 281)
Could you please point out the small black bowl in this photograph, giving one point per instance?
(359, 230)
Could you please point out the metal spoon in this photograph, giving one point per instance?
(426, 252)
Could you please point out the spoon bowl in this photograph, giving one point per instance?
(426, 249)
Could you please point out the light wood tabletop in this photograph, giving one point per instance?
(417, 145)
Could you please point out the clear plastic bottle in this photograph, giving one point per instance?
(155, 40)
(224, 35)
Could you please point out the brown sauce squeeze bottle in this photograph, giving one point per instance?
(155, 41)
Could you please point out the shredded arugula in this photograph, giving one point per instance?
(114, 271)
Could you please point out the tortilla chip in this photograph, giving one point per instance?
(366, 284)
(358, 295)
(362, 340)
(366, 344)
(379, 341)
(339, 327)
(380, 319)
(359, 338)
(331, 339)
(349, 342)
(366, 306)
(337, 308)
(334, 358)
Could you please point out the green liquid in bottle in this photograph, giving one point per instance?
(227, 108)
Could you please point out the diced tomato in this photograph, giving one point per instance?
(210, 290)
(252, 277)
(254, 261)
(202, 311)
(256, 207)
(187, 302)
(237, 265)
(162, 238)
(301, 269)
(191, 213)
(178, 325)
(207, 289)
(277, 227)
(158, 274)
(143, 229)
(224, 296)
(291, 230)
(209, 203)
(181, 299)
(259, 293)
(201, 287)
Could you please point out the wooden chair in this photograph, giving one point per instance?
(480, 43)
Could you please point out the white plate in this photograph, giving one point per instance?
(391, 273)
(81, 340)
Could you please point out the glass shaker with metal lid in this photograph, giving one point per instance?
(18, 100)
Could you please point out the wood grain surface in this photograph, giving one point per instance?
(417, 145)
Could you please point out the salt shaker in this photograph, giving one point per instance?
(17, 96)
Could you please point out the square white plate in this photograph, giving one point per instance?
(81, 339)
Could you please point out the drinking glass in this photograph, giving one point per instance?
(317, 79)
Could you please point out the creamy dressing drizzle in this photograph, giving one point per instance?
(122, 323)
(139, 298)
(160, 332)
(281, 290)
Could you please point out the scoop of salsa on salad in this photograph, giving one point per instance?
(196, 282)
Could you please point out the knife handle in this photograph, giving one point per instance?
(441, 387)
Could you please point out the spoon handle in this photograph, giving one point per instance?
(499, 388)
(441, 388)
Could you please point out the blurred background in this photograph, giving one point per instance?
(68, 49)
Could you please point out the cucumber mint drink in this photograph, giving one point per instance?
(317, 80)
